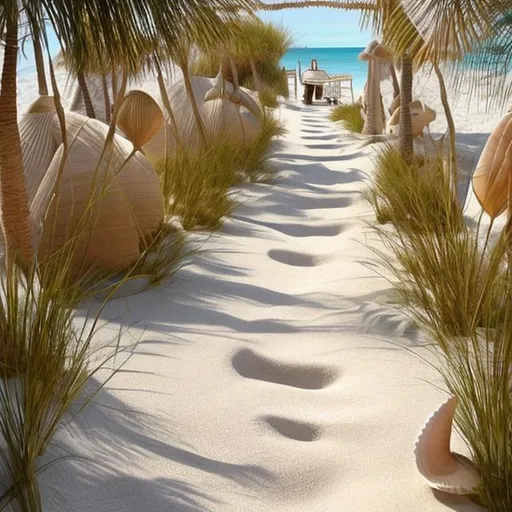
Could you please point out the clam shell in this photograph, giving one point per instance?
(140, 118)
(443, 470)
(494, 169)
(123, 195)
(226, 119)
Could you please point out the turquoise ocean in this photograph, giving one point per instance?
(332, 60)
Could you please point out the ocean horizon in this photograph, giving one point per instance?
(334, 60)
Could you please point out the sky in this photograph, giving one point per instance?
(321, 27)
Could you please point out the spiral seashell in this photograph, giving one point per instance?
(443, 470)
(140, 118)
(494, 169)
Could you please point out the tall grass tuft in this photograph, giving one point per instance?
(44, 363)
(457, 284)
(256, 48)
(415, 197)
(477, 370)
(268, 97)
(196, 185)
(350, 117)
(254, 160)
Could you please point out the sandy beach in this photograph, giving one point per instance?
(273, 372)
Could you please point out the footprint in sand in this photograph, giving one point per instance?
(305, 230)
(251, 365)
(293, 429)
(296, 259)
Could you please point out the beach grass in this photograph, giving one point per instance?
(415, 197)
(349, 114)
(437, 266)
(456, 283)
(45, 360)
(196, 184)
(255, 49)
(477, 372)
(268, 97)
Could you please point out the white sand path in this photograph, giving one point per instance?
(270, 375)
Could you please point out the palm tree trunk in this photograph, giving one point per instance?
(114, 84)
(369, 121)
(255, 75)
(394, 79)
(106, 96)
(406, 138)
(374, 122)
(89, 109)
(190, 92)
(41, 76)
(452, 157)
(13, 194)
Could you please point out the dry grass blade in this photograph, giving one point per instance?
(350, 117)
(459, 290)
(196, 185)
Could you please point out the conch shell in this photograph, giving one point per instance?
(494, 169)
(443, 470)
(140, 118)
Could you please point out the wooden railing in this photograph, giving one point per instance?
(334, 87)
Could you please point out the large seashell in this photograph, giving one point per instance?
(421, 116)
(218, 88)
(140, 118)
(251, 103)
(38, 147)
(494, 169)
(42, 104)
(237, 95)
(366, 54)
(123, 197)
(394, 104)
(237, 125)
(446, 471)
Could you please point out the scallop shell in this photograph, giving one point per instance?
(443, 470)
(494, 169)
(123, 197)
(38, 147)
(42, 104)
(140, 118)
